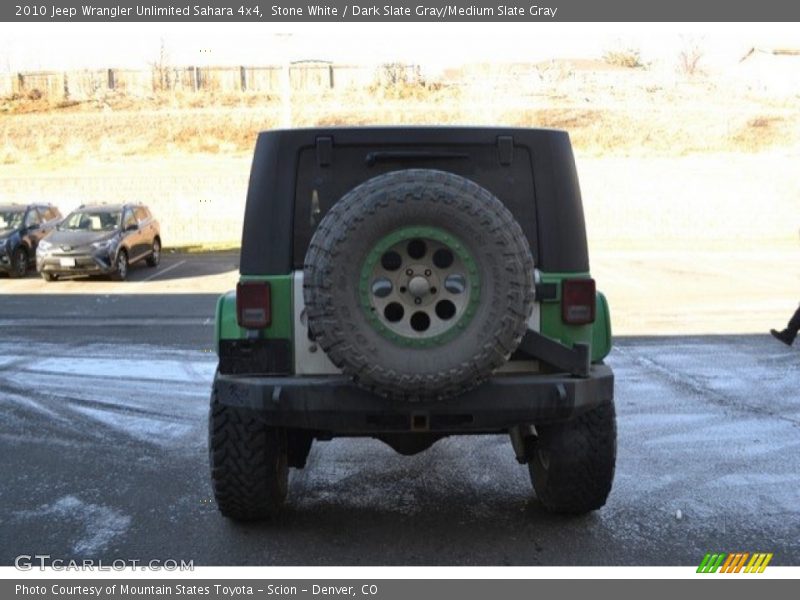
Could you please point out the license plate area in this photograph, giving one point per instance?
(67, 262)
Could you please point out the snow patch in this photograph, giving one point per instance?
(116, 368)
(9, 398)
(147, 429)
(7, 360)
(100, 524)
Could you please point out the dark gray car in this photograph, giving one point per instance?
(22, 226)
(100, 239)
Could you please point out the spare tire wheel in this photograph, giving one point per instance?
(418, 283)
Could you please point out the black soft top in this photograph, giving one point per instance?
(298, 174)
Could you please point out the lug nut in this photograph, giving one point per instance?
(417, 300)
(427, 272)
(409, 272)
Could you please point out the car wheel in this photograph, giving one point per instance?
(121, 270)
(419, 284)
(572, 466)
(249, 463)
(48, 277)
(155, 256)
(19, 263)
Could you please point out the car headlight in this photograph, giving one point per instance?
(104, 245)
(44, 246)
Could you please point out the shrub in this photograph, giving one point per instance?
(627, 57)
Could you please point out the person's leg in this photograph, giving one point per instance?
(787, 335)
(794, 323)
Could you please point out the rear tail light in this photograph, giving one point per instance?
(577, 301)
(253, 304)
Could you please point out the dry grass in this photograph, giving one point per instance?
(119, 101)
(629, 58)
(763, 132)
(632, 115)
(65, 137)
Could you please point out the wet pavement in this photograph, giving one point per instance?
(103, 455)
(104, 394)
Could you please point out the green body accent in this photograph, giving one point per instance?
(282, 321)
(601, 331)
(598, 334)
(225, 318)
(409, 233)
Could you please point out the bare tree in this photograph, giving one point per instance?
(162, 70)
(398, 75)
(689, 58)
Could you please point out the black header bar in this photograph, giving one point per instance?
(402, 11)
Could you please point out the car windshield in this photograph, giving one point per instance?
(91, 221)
(11, 219)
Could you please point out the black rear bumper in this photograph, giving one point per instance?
(334, 404)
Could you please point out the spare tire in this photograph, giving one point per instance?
(418, 283)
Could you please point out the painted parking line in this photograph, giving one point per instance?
(162, 271)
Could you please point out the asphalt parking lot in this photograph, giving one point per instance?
(173, 304)
(104, 390)
(178, 273)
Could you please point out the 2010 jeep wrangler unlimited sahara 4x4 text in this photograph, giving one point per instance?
(411, 284)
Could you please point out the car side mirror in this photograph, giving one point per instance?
(33, 226)
(131, 227)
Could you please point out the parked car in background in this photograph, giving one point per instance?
(22, 227)
(100, 239)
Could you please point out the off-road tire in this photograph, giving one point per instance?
(421, 198)
(249, 470)
(572, 467)
(19, 263)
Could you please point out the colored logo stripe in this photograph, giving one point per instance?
(727, 566)
(734, 562)
(741, 562)
(758, 563)
(710, 563)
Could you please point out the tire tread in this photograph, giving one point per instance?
(431, 188)
(582, 456)
(249, 471)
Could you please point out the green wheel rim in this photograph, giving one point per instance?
(427, 299)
